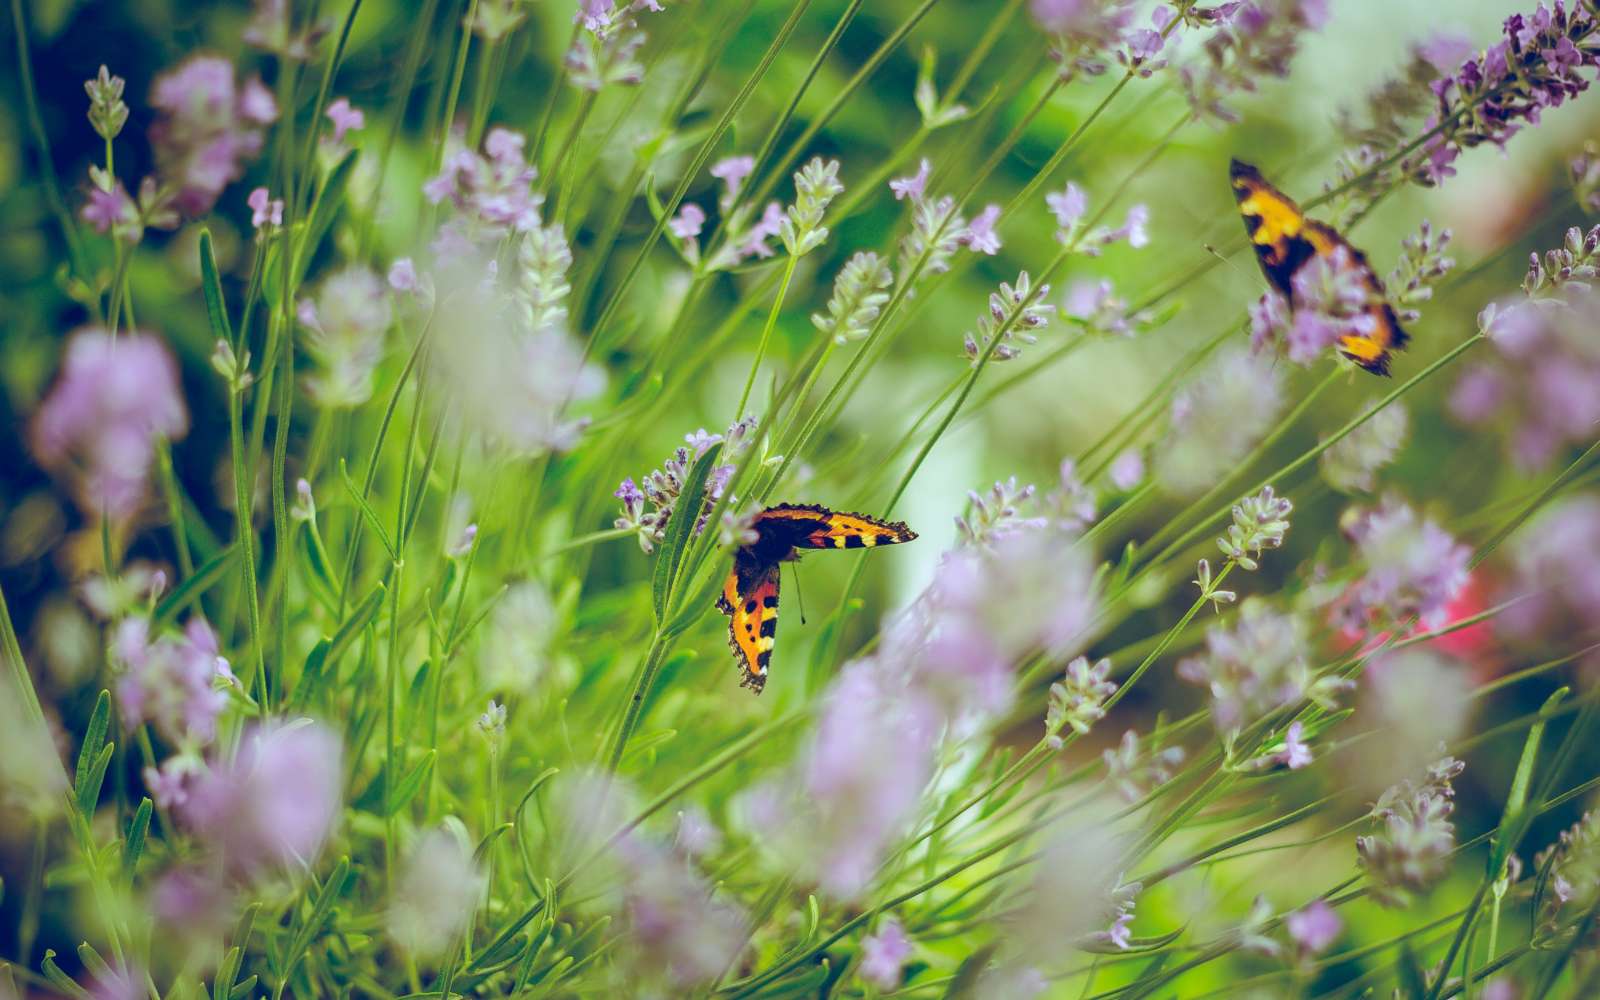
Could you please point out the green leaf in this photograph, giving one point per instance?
(223, 986)
(133, 844)
(211, 284)
(1514, 819)
(487, 842)
(328, 203)
(89, 789)
(94, 740)
(93, 963)
(408, 786)
(243, 990)
(680, 528)
(1413, 981)
(318, 573)
(201, 580)
(321, 910)
(367, 513)
(60, 980)
(965, 982)
(327, 652)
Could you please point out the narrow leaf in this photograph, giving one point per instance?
(94, 739)
(89, 787)
(367, 513)
(211, 284)
(680, 528)
(408, 786)
(133, 845)
(201, 580)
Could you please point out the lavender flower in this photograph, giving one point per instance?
(265, 210)
(1538, 64)
(884, 954)
(438, 888)
(663, 488)
(1095, 306)
(1012, 313)
(1134, 773)
(676, 928)
(1351, 465)
(1250, 40)
(543, 287)
(1585, 173)
(1422, 265)
(344, 118)
(208, 128)
(914, 186)
(979, 236)
(274, 804)
(1259, 664)
(1413, 568)
(1078, 699)
(991, 516)
(492, 193)
(110, 405)
(1291, 751)
(1569, 871)
(1259, 523)
(344, 331)
(936, 228)
(1217, 418)
(1545, 372)
(492, 722)
(110, 209)
(1410, 849)
(1127, 470)
(268, 29)
(169, 682)
(1313, 928)
(1078, 893)
(505, 379)
(686, 225)
(1556, 562)
(816, 185)
(1084, 31)
(107, 112)
(732, 171)
(606, 52)
(859, 293)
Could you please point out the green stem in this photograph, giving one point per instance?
(766, 333)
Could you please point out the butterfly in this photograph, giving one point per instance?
(750, 594)
(1285, 241)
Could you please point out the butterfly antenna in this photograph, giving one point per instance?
(799, 595)
(1231, 262)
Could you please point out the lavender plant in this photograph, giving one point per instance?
(350, 650)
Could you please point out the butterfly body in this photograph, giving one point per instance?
(1285, 241)
(750, 594)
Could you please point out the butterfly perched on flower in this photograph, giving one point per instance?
(1285, 242)
(750, 595)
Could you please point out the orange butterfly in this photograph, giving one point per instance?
(750, 595)
(1285, 240)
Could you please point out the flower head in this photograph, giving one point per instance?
(1217, 418)
(884, 954)
(107, 112)
(438, 889)
(913, 186)
(272, 806)
(1005, 328)
(1351, 465)
(170, 682)
(1078, 699)
(344, 332)
(264, 209)
(491, 192)
(859, 293)
(979, 236)
(344, 118)
(112, 401)
(732, 171)
(1313, 927)
(207, 128)
(1413, 567)
(1409, 850)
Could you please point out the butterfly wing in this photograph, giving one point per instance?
(750, 600)
(812, 526)
(1284, 240)
(1275, 224)
(1372, 349)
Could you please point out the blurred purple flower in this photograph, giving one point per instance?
(1068, 205)
(1224, 410)
(732, 171)
(1352, 463)
(1545, 374)
(206, 130)
(1413, 567)
(170, 682)
(492, 192)
(113, 212)
(1313, 927)
(436, 891)
(343, 117)
(688, 222)
(979, 236)
(1127, 470)
(274, 804)
(403, 275)
(884, 954)
(111, 402)
(1411, 847)
(914, 186)
(264, 209)
(1249, 41)
(1556, 558)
